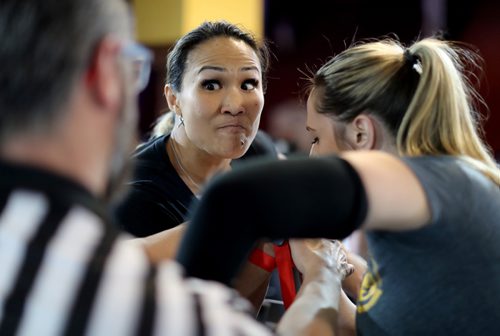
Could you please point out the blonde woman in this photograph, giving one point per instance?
(428, 199)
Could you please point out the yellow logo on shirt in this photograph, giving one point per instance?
(371, 289)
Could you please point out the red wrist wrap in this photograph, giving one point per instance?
(263, 260)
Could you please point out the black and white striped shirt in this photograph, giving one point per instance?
(64, 270)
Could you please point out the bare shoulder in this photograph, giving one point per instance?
(396, 198)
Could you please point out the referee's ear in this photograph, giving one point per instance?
(103, 77)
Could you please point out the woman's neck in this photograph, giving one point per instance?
(384, 141)
(195, 166)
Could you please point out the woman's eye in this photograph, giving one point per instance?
(249, 84)
(315, 140)
(211, 85)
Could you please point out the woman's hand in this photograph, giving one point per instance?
(316, 311)
(311, 255)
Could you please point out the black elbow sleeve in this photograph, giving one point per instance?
(296, 198)
(331, 201)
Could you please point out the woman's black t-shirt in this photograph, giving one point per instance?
(157, 198)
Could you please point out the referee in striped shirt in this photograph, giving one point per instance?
(69, 80)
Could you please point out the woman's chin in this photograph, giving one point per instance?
(234, 151)
(232, 147)
(236, 154)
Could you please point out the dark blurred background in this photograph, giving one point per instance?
(304, 34)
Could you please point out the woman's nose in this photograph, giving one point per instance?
(233, 102)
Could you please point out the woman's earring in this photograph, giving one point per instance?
(182, 121)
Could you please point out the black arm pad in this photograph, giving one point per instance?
(296, 198)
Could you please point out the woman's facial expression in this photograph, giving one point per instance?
(221, 98)
(323, 129)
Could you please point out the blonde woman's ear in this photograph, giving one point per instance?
(361, 133)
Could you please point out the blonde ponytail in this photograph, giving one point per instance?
(441, 118)
(163, 125)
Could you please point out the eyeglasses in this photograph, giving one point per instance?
(141, 61)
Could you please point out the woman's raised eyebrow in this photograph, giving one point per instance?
(211, 67)
(221, 69)
(250, 68)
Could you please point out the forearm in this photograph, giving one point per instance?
(346, 321)
(163, 245)
(296, 198)
(352, 284)
(315, 310)
(252, 283)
